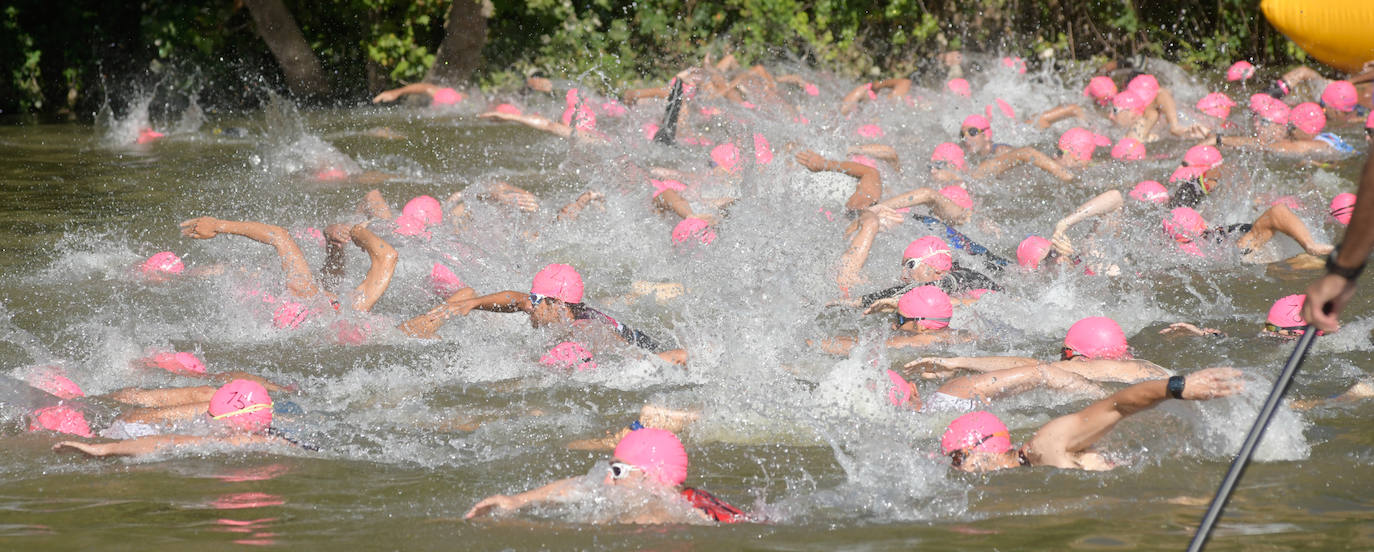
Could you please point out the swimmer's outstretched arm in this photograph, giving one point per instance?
(1057, 113)
(298, 278)
(882, 152)
(852, 99)
(166, 414)
(460, 303)
(395, 93)
(537, 122)
(942, 207)
(634, 95)
(935, 368)
(1004, 162)
(156, 398)
(853, 260)
(867, 192)
(1165, 100)
(155, 443)
(1014, 381)
(558, 491)
(672, 201)
(1057, 441)
(1104, 203)
(1121, 371)
(571, 210)
(1281, 219)
(900, 86)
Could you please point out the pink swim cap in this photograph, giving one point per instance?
(181, 363)
(165, 262)
(1369, 121)
(976, 121)
(811, 89)
(1032, 250)
(1097, 337)
(1308, 117)
(931, 251)
(407, 225)
(54, 383)
(569, 355)
(445, 96)
(242, 403)
(1286, 314)
(1081, 142)
(949, 152)
(1216, 104)
(1128, 149)
(870, 131)
(424, 208)
(1101, 89)
(1340, 95)
(960, 87)
(614, 108)
(692, 227)
(1240, 70)
(901, 391)
(1130, 100)
(958, 195)
(559, 281)
(658, 452)
(584, 118)
(1204, 156)
(929, 304)
(1342, 206)
(289, 315)
(1184, 174)
(1015, 64)
(62, 419)
(443, 281)
(1146, 86)
(148, 135)
(979, 431)
(726, 156)
(508, 109)
(1150, 191)
(763, 151)
(1003, 106)
(1184, 224)
(1270, 109)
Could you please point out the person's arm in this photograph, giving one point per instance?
(942, 207)
(852, 99)
(157, 398)
(538, 122)
(383, 258)
(463, 301)
(1328, 295)
(298, 278)
(1057, 113)
(881, 152)
(869, 188)
(1004, 162)
(936, 368)
(166, 414)
(571, 210)
(900, 87)
(1057, 441)
(1300, 147)
(1300, 75)
(634, 95)
(853, 259)
(674, 356)
(395, 93)
(1164, 100)
(558, 491)
(155, 443)
(1014, 381)
(1121, 371)
(672, 201)
(1104, 203)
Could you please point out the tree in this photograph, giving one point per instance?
(279, 30)
(464, 36)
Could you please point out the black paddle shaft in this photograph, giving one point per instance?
(1247, 449)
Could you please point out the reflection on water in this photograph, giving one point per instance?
(413, 433)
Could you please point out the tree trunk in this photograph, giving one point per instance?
(464, 35)
(279, 30)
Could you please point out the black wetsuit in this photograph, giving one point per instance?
(633, 336)
(958, 281)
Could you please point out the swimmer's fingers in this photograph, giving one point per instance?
(1179, 328)
(1213, 383)
(811, 160)
(887, 304)
(199, 228)
(487, 505)
(927, 368)
(338, 234)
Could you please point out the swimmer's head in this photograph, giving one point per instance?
(958, 195)
(1216, 104)
(1185, 173)
(1150, 191)
(975, 432)
(1342, 206)
(180, 363)
(926, 259)
(558, 281)
(959, 87)
(1127, 107)
(1184, 224)
(243, 404)
(1203, 156)
(1308, 117)
(445, 97)
(289, 315)
(424, 208)
(443, 281)
(870, 131)
(569, 355)
(1095, 337)
(161, 263)
(726, 157)
(901, 391)
(976, 132)
(1101, 90)
(658, 453)
(62, 419)
(924, 308)
(1128, 149)
(1239, 71)
(948, 157)
(147, 134)
(51, 381)
(1270, 113)
(763, 151)
(1285, 316)
(1077, 145)
(1031, 251)
(1340, 95)
(408, 225)
(692, 228)
(1144, 85)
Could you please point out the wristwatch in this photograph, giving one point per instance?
(1333, 268)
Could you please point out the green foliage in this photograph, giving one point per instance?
(24, 75)
(400, 33)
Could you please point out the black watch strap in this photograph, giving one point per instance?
(1175, 387)
(1334, 268)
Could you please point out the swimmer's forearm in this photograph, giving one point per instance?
(501, 301)
(671, 200)
(1104, 203)
(167, 414)
(919, 196)
(988, 364)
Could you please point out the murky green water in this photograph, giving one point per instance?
(827, 461)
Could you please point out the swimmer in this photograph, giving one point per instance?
(554, 299)
(867, 191)
(1281, 129)
(1034, 251)
(238, 414)
(1094, 347)
(980, 442)
(439, 96)
(1076, 147)
(651, 462)
(976, 135)
(1343, 101)
(1197, 176)
(927, 261)
(922, 319)
(1188, 229)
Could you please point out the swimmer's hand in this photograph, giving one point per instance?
(813, 161)
(387, 97)
(886, 304)
(90, 449)
(514, 197)
(928, 368)
(338, 234)
(1060, 240)
(201, 228)
(540, 84)
(887, 217)
(1212, 383)
(1186, 329)
(1190, 131)
(493, 503)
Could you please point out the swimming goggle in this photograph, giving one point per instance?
(903, 320)
(972, 131)
(245, 410)
(621, 470)
(956, 457)
(913, 262)
(1348, 209)
(939, 165)
(535, 298)
(1271, 327)
(1067, 353)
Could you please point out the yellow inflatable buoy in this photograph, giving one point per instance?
(1339, 33)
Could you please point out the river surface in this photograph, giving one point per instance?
(412, 433)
